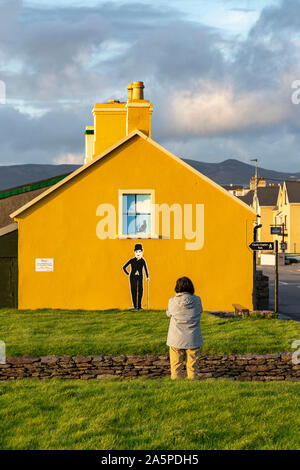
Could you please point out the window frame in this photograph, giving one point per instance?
(151, 192)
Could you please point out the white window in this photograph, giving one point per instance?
(136, 216)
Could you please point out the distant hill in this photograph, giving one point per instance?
(17, 175)
(235, 172)
(227, 172)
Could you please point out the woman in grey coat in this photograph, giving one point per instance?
(184, 336)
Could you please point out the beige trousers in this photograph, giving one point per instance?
(178, 357)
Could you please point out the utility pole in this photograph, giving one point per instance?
(255, 199)
(282, 241)
(256, 227)
(276, 276)
(254, 299)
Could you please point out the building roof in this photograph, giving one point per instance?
(8, 229)
(247, 198)
(266, 196)
(14, 198)
(31, 186)
(293, 191)
(233, 187)
(107, 152)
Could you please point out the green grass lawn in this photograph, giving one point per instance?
(59, 332)
(148, 414)
(143, 413)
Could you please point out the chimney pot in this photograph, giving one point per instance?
(129, 88)
(138, 91)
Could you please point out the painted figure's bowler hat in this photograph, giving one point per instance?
(138, 246)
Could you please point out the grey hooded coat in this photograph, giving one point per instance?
(184, 311)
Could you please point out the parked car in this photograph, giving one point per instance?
(292, 258)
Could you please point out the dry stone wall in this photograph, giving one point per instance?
(245, 367)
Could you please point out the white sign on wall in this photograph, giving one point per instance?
(44, 264)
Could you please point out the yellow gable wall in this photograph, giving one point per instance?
(284, 209)
(88, 271)
(294, 228)
(266, 214)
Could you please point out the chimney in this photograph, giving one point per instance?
(137, 91)
(262, 182)
(252, 183)
(130, 89)
(139, 110)
(89, 143)
(114, 120)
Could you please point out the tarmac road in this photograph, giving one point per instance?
(289, 289)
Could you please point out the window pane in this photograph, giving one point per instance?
(128, 224)
(129, 203)
(136, 214)
(143, 203)
(143, 224)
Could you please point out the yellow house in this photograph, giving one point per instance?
(133, 208)
(287, 214)
(266, 201)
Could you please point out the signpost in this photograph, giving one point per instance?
(269, 246)
(275, 229)
(280, 230)
(276, 276)
(255, 229)
(265, 246)
(283, 246)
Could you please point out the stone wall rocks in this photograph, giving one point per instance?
(245, 367)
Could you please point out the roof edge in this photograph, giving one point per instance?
(136, 132)
(25, 188)
(8, 229)
(198, 173)
(75, 173)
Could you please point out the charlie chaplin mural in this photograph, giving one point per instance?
(138, 266)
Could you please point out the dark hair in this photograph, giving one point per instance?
(184, 284)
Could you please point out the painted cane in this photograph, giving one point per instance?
(147, 294)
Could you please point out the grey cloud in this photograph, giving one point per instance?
(182, 51)
(57, 53)
(9, 11)
(242, 10)
(41, 139)
(54, 47)
(269, 51)
(278, 19)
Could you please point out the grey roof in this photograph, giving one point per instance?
(10, 204)
(9, 228)
(293, 191)
(266, 196)
(232, 187)
(248, 198)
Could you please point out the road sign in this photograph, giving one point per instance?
(265, 246)
(283, 246)
(276, 230)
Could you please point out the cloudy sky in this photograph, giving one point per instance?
(218, 72)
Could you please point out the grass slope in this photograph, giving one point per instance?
(148, 414)
(58, 332)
